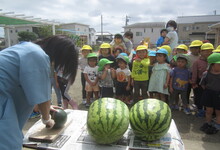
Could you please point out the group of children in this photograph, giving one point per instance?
(150, 73)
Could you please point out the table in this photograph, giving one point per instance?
(78, 138)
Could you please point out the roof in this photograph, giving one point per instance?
(15, 21)
(214, 26)
(104, 33)
(198, 19)
(146, 25)
(75, 23)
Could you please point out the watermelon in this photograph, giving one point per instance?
(59, 117)
(150, 119)
(107, 120)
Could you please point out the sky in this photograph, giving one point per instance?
(113, 12)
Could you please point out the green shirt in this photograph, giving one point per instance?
(140, 70)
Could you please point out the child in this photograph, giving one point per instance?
(140, 74)
(86, 49)
(180, 49)
(211, 95)
(180, 77)
(105, 52)
(128, 36)
(163, 34)
(118, 42)
(106, 75)
(200, 66)
(160, 76)
(123, 75)
(168, 48)
(64, 85)
(217, 50)
(90, 74)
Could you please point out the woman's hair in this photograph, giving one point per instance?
(172, 23)
(62, 51)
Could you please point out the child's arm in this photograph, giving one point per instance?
(113, 73)
(167, 80)
(129, 83)
(104, 74)
(145, 62)
(87, 79)
(166, 41)
(171, 84)
(194, 75)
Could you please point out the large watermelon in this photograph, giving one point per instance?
(107, 120)
(150, 119)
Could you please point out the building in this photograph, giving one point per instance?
(103, 37)
(196, 28)
(215, 28)
(147, 30)
(81, 30)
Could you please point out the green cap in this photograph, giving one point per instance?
(91, 55)
(185, 56)
(214, 58)
(125, 58)
(103, 62)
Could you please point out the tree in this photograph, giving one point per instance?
(44, 31)
(27, 36)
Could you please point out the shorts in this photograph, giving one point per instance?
(211, 98)
(107, 92)
(121, 89)
(90, 88)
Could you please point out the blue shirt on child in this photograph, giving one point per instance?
(180, 78)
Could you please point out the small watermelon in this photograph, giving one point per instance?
(107, 120)
(150, 119)
(59, 117)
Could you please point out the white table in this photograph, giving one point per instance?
(78, 126)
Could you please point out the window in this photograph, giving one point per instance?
(129, 29)
(16, 31)
(144, 30)
(197, 28)
(152, 30)
(27, 30)
(11, 31)
(138, 33)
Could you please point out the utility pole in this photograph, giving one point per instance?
(102, 28)
(126, 20)
(215, 12)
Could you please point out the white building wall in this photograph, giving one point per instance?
(12, 34)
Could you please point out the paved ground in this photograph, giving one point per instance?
(188, 125)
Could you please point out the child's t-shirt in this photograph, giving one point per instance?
(140, 70)
(180, 78)
(160, 41)
(92, 73)
(108, 81)
(123, 74)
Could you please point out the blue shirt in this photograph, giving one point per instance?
(160, 41)
(180, 78)
(24, 82)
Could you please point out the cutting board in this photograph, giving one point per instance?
(43, 134)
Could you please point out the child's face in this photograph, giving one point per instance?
(205, 53)
(152, 59)
(118, 40)
(163, 34)
(216, 67)
(122, 64)
(181, 63)
(85, 52)
(142, 54)
(107, 66)
(195, 51)
(181, 51)
(105, 51)
(160, 58)
(92, 62)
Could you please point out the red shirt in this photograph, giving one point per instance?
(199, 66)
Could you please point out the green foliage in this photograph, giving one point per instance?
(44, 31)
(27, 36)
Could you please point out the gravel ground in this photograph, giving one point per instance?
(188, 125)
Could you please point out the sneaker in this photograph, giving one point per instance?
(87, 105)
(205, 126)
(187, 111)
(34, 115)
(211, 130)
(176, 107)
(201, 113)
(84, 101)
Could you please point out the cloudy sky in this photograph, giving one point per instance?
(113, 11)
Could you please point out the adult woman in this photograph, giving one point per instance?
(171, 38)
(25, 82)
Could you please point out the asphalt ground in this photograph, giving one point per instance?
(188, 125)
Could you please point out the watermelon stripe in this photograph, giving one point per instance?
(134, 124)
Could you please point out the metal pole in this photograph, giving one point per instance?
(101, 28)
(8, 35)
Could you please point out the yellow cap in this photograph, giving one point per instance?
(182, 46)
(105, 45)
(166, 47)
(207, 46)
(141, 47)
(196, 43)
(86, 47)
(217, 50)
